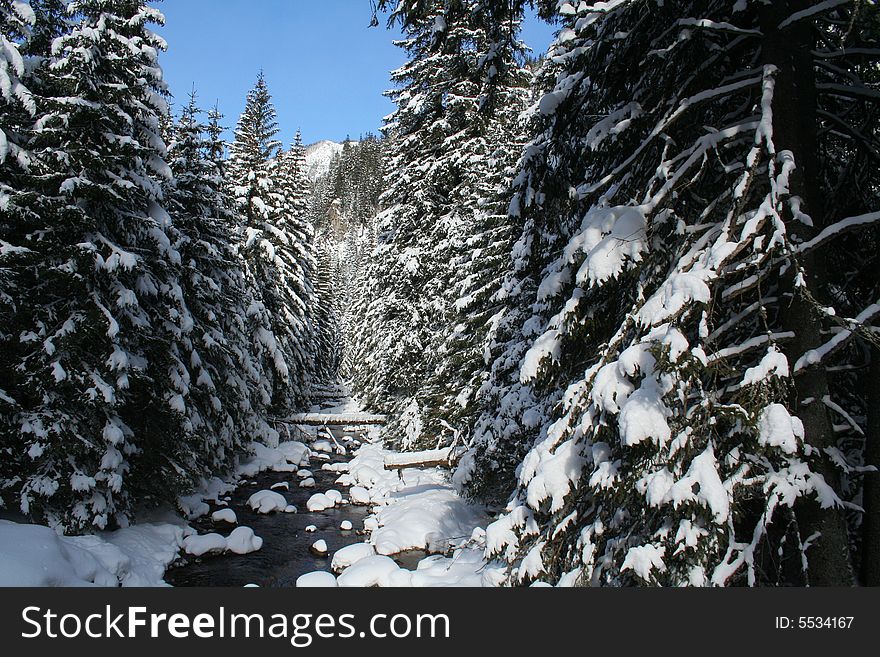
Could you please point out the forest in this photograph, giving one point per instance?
(629, 286)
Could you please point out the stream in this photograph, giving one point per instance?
(285, 553)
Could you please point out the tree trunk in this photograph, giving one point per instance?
(794, 128)
(871, 496)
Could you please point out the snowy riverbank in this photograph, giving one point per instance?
(139, 555)
(412, 509)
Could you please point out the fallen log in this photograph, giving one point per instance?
(432, 458)
(335, 419)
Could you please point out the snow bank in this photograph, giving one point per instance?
(287, 457)
(34, 556)
(415, 509)
(425, 513)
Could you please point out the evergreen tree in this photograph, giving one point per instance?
(17, 109)
(663, 355)
(438, 176)
(99, 418)
(277, 249)
(221, 384)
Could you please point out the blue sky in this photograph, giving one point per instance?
(325, 66)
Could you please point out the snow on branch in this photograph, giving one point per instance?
(842, 226)
(812, 11)
(705, 23)
(816, 356)
(753, 343)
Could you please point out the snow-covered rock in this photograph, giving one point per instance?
(359, 495)
(319, 502)
(287, 457)
(346, 526)
(334, 495)
(319, 548)
(316, 580)
(311, 529)
(267, 501)
(243, 541)
(350, 555)
(324, 446)
(307, 483)
(370, 571)
(225, 515)
(281, 485)
(198, 545)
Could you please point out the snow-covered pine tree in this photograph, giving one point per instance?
(17, 109)
(221, 382)
(479, 247)
(277, 253)
(328, 338)
(50, 22)
(290, 180)
(99, 418)
(16, 100)
(668, 291)
(437, 150)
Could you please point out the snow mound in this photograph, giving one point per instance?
(243, 541)
(359, 495)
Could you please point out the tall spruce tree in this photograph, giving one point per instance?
(277, 250)
(436, 162)
(221, 383)
(99, 418)
(17, 110)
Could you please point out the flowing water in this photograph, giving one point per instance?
(285, 553)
